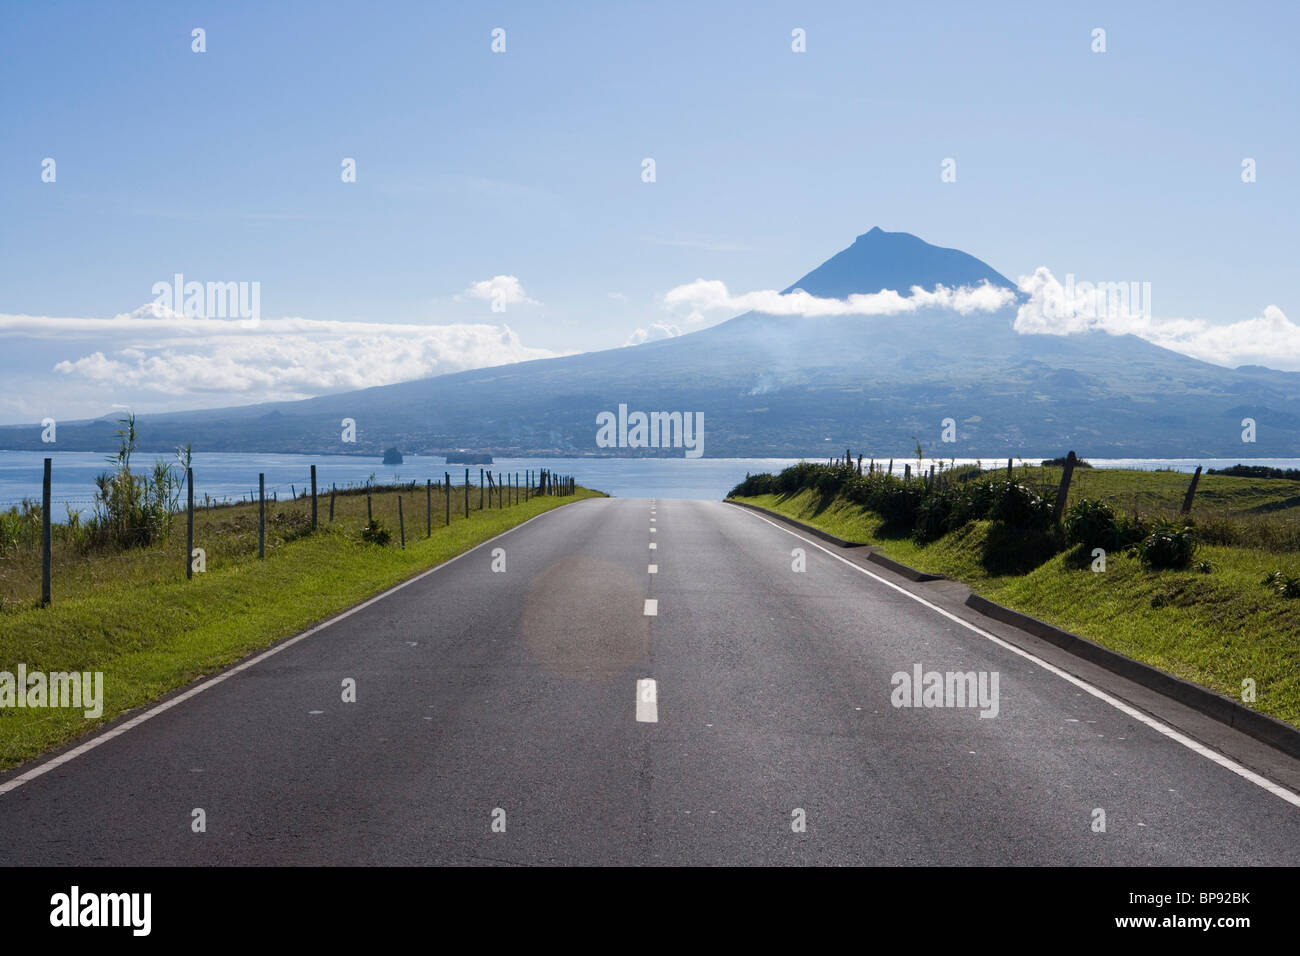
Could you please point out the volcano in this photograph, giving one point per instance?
(794, 385)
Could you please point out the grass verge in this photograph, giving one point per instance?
(133, 616)
(1216, 629)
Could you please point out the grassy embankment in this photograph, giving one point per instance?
(132, 615)
(1215, 625)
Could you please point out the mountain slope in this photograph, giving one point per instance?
(782, 385)
(895, 260)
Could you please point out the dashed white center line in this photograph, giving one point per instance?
(651, 607)
(653, 546)
(652, 529)
(653, 569)
(647, 701)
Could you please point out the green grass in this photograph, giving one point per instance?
(133, 616)
(1214, 629)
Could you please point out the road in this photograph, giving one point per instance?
(500, 718)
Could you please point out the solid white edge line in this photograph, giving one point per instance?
(107, 735)
(1195, 746)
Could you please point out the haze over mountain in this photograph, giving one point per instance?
(877, 379)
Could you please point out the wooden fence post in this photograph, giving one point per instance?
(1064, 489)
(481, 486)
(313, 497)
(1191, 492)
(466, 492)
(261, 515)
(189, 524)
(401, 522)
(333, 490)
(47, 559)
(370, 514)
(428, 507)
(447, 476)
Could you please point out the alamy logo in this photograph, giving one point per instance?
(103, 909)
(653, 430)
(1101, 300)
(950, 689)
(56, 689)
(213, 300)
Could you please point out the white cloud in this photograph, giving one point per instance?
(711, 295)
(281, 359)
(657, 330)
(504, 289)
(1053, 308)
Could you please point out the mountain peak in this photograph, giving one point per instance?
(880, 260)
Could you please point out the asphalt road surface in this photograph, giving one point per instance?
(506, 717)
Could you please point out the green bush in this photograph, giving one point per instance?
(1168, 547)
(376, 533)
(1130, 530)
(1287, 587)
(753, 486)
(1091, 522)
(20, 528)
(932, 518)
(1017, 506)
(132, 510)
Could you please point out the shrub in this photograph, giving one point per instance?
(1091, 522)
(932, 517)
(972, 502)
(898, 503)
(132, 510)
(1009, 550)
(20, 528)
(1018, 507)
(1287, 587)
(1168, 547)
(290, 525)
(376, 533)
(754, 485)
(1130, 530)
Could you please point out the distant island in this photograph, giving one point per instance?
(786, 386)
(392, 456)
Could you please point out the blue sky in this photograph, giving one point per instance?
(225, 166)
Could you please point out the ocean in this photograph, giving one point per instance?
(234, 476)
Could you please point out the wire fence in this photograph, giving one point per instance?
(19, 529)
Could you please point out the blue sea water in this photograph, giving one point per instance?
(234, 476)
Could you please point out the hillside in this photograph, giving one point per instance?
(793, 386)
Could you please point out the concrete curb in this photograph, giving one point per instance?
(1263, 728)
(1267, 729)
(910, 573)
